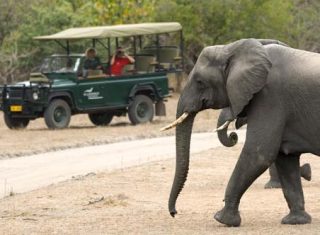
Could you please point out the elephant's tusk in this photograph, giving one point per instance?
(176, 122)
(220, 128)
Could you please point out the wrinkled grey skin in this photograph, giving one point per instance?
(274, 182)
(277, 89)
(229, 140)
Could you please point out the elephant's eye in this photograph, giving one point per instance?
(201, 85)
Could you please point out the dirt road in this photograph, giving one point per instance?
(134, 201)
(23, 174)
(37, 138)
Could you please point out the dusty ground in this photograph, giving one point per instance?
(37, 138)
(134, 201)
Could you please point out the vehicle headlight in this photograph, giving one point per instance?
(7, 95)
(35, 96)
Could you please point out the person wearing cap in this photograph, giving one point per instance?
(119, 60)
(92, 61)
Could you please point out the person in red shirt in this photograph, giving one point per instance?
(119, 60)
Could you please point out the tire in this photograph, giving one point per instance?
(15, 123)
(100, 119)
(141, 110)
(57, 115)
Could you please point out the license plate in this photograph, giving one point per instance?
(15, 108)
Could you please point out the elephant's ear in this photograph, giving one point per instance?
(247, 70)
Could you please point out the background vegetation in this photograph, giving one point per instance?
(205, 22)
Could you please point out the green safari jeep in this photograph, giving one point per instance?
(57, 92)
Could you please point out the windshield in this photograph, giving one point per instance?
(57, 64)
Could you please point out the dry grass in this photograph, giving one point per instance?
(37, 138)
(134, 201)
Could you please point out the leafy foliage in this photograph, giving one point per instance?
(22, 20)
(222, 21)
(304, 31)
(112, 12)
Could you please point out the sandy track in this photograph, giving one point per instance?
(38, 139)
(31, 172)
(134, 201)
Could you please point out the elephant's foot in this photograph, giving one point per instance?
(297, 217)
(305, 171)
(228, 217)
(272, 184)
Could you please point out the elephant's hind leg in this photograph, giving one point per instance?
(274, 181)
(289, 174)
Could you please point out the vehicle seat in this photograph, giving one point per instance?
(128, 69)
(145, 63)
(94, 73)
(168, 55)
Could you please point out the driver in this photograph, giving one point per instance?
(68, 68)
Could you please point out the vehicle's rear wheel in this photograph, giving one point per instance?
(15, 123)
(141, 110)
(100, 119)
(58, 114)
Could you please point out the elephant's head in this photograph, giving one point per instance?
(224, 76)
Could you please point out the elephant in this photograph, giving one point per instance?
(274, 182)
(229, 140)
(277, 90)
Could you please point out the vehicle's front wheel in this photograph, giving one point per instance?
(15, 123)
(100, 119)
(141, 110)
(58, 114)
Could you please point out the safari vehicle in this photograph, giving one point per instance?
(57, 92)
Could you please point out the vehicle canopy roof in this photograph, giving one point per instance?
(124, 30)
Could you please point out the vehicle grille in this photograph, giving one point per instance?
(15, 93)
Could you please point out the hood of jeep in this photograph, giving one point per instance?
(62, 82)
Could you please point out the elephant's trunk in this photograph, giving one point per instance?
(225, 139)
(183, 136)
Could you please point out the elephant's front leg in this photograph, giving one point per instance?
(248, 168)
(289, 175)
(259, 152)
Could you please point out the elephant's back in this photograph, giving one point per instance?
(294, 65)
(294, 81)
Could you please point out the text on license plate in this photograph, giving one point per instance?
(15, 108)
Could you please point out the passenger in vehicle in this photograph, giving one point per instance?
(119, 60)
(92, 61)
(68, 68)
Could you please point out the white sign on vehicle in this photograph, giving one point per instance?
(92, 95)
